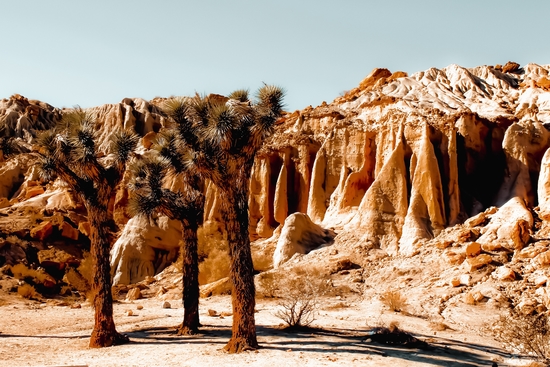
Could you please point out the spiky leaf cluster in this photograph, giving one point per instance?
(211, 131)
(70, 152)
(149, 197)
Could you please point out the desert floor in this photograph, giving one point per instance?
(53, 334)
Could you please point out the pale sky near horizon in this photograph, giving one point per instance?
(95, 52)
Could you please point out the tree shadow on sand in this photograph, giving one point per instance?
(418, 348)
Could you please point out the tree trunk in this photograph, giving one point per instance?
(241, 271)
(190, 270)
(104, 333)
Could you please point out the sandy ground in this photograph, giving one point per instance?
(44, 334)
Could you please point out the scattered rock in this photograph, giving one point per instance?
(212, 313)
(474, 263)
(42, 231)
(34, 191)
(504, 273)
(166, 304)
(219, 287)
(76, 305)
(139, 307)
(473, 249)
(129, 313)
(134, 294)
(69, 231)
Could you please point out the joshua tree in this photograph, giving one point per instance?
(217, 139)
(70, 153)
(187, 206)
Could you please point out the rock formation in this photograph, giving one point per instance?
(391, 165)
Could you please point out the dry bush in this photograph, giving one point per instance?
(394, 335)
(267, 285)
(213, 249)
(300, 293)
(528, 334)
(394, 300)
(27, 291)
(86, 268)
(21, 271)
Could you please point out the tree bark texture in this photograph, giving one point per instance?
(241, 270)
(104, 333)
(190, 270)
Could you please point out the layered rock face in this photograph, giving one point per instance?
(398, 159)
(390, 165)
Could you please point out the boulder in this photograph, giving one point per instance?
(509, 227)
(133, 254)
(133, 294)
(299, 235)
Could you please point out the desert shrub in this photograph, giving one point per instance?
(21, 271)
(213, 253)
(394, 300)
(300, 293)
(86, 267)
(392, 334)
(267, 285)
(528, 334)
(27, 291)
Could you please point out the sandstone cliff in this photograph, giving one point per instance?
(390, 165)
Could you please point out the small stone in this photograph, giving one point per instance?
(540, 281)
(212, 313)
(465, 279)
(478, 296)
(504, 273)
(76, 305)
(474, 263)
(166, 304)
(139, 307)
(226, 314)
(129, 313)
(473, 249)
(455, 282)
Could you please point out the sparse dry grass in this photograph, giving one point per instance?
(21, 271)
(394, 300)
(86, 268)
(528, 334)
(27, 291)
(213, 249)
(267, 285)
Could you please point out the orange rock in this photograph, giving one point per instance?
(69, 231)
(473, 249)
(42, 231)
(453, 258)
(373, 77)
(84, 228)
(34, 191)
(477, 262)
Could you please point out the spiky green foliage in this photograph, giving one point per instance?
(240, 95)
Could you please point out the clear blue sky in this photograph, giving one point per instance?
(95, 52)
